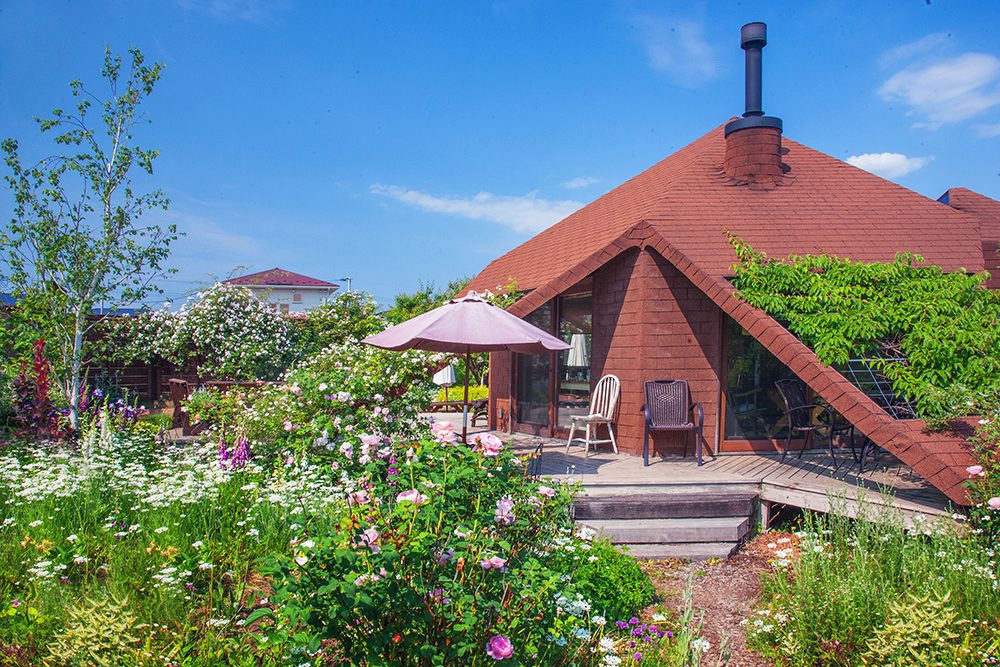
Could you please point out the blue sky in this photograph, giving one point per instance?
(403, 142)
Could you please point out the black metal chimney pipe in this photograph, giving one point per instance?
(753, 38)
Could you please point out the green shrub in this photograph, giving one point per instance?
(612, 580)
(445, 556)
(458, 393)
(919, 632)
(161, 420)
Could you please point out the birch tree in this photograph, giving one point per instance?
(74, 241)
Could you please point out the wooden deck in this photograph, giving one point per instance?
(810, 482)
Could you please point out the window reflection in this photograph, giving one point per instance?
(575, 318)
(754, 408)
(533, 375)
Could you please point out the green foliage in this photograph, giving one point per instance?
(406, 306)
(350, 316)
(73, 242)
(98, 633)
(919, 631)
(831, 593)
(612, 580)
(935, 335)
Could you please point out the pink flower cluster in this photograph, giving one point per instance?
(975, 471)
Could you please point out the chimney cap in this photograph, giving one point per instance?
(753, 35)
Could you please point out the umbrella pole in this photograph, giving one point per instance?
(465, 404)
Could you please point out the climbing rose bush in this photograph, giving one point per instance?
(226, 332)
(443, 557)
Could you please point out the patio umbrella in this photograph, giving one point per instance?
(467, 325)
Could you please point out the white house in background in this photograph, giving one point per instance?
(288, 292)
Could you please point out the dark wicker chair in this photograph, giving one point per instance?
(668, 408)
(800, 418)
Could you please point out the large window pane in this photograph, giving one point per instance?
(754, 408)
(533, 375)
(575, 317)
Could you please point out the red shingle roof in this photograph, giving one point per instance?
(821, 205)
(280, 277)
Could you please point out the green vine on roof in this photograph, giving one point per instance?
(934, 335)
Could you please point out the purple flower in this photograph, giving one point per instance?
(637, 657)
(633, 621)
(499, 648)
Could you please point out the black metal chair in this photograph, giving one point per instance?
(800, 420)
(668, 408)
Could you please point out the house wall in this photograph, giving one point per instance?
(652, 323)
(311, 297)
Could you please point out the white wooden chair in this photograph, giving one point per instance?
(602, 411)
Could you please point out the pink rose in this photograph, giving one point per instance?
(994, 503)
(370, 536)
(411, 496)
(487, 444)
(546, 491)
(504, 513)
(975, 471)
(499, 648)
(492, 563)
(370, 440)
(444, 432)
(289, 426)
(359, 498)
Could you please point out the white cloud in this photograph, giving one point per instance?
(253, 11)
(987, 130)
(949, 90)
(580, 182)
(522, 214)
(917, 48)
(676, 47)
(888, 165)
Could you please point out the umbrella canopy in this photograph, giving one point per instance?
(467, 325)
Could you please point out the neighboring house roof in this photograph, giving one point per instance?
(680, 208)
(7, 299)
(821, 205)
(280, 277)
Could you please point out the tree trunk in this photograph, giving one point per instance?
(74, 380)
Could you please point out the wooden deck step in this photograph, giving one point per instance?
(663, 505)
(672, 531)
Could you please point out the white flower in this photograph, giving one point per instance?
(197, 545)
(72, 538)
(701, 645)
(598, 620)
(161, 529)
